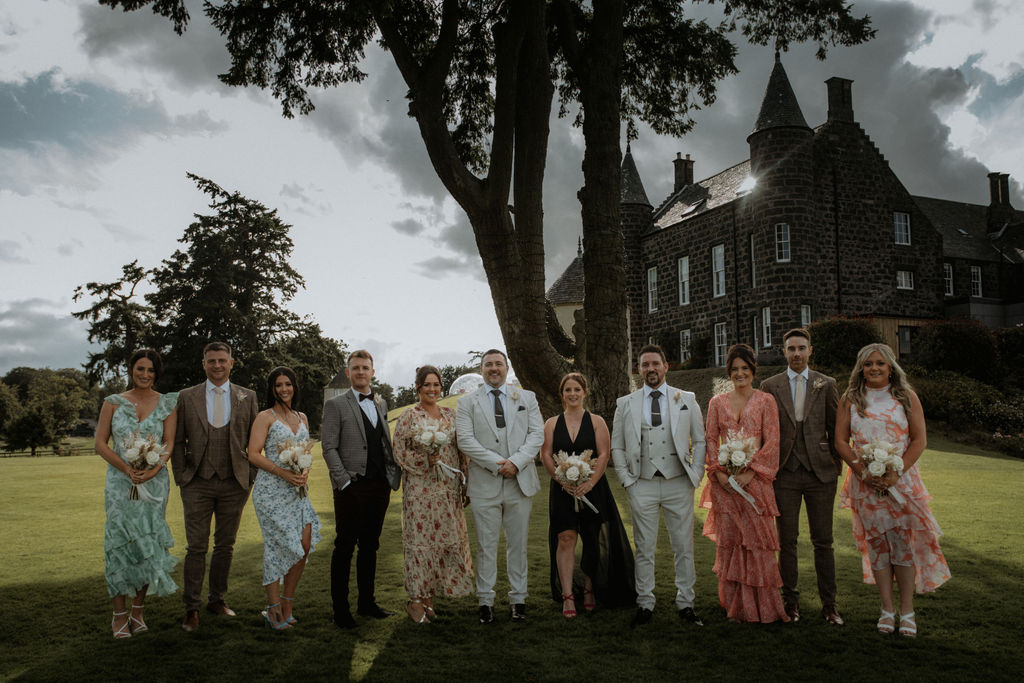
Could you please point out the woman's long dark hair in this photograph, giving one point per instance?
(272, 398)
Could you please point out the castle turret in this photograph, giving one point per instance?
(636, 215)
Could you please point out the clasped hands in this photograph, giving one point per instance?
(882, 483)
(743, 478)
(580, 490)
(142, 476)
(295, 479)
(507, 469)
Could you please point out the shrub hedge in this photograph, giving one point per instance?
(837, 340)
(960, 345)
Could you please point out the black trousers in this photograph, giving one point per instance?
(359, 512)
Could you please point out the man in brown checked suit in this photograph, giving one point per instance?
(809, 469)
(213, 473)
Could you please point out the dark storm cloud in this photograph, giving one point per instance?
(39, 332)
(141, 38)
(408, 226)
(439, 267)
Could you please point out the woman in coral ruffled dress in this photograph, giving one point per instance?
(895, 529)
(744, 530)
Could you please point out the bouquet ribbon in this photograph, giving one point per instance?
(450, 471)
(583, 499)
(143, 493)
(896, 496)
(746, 496)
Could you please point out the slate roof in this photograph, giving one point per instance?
(568, 288)
(779, 108)
(632, 188)
(708, 194)
(964, 230)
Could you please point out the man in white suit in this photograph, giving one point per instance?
(500, 430)
(658, 451)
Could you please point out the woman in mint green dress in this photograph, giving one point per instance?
(136, 536)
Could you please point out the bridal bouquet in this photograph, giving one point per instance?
(296, 455)
(572, 471)
(882, 456)
(734, 454)
(430, 436)
(143, 453)
(737, 451)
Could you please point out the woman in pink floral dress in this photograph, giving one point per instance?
(892, 522)
(744, 531)
(434, 536)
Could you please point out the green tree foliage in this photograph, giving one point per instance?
(31, 430)
(482, 78)
(230, 281)
(54, 402)
(117, 320)
(10, 406)
(1010, 341)
(960, 345)
(836, 341)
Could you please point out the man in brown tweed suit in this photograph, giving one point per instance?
(213, 473)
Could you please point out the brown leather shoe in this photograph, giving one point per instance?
(220, 608)
(832, 617)
(191, 622)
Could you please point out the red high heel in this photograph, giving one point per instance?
(569, 613)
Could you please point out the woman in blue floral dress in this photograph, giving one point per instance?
(136, 536)
(290, 526)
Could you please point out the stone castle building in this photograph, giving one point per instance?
(814, 224)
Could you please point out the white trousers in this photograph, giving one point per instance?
(674, 497)
(510, 510)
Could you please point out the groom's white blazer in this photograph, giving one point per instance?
(684, 421)
(478, 438)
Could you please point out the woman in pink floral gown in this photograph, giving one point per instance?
(892, 522)
(434, 536)
(744, 531)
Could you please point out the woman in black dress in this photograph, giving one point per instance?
(607, 561)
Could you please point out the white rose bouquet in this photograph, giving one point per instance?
(296, 455)
(143, 453)
(736, 452)
(882, 456)
(430, 436)
(572, 471)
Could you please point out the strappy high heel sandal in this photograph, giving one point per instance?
(571, 612)
(125, 631)
(291, 617)
(408, 610)
(428, 609)
(886, 627)
(268, 616)
(138, 625)
(908, 627)
(590, 604)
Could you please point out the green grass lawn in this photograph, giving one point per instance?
(56, 615)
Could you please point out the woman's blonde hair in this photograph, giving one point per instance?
(899, 386)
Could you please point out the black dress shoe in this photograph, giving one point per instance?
(643, 616)
(486, 614)
(344, 620)
(375, 611)
(793, 612)
(519, 612)
(832, 616)
(690, 617)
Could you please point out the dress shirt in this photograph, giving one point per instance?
(225, 398)
(662, 403)
(503, 397)
(792, 382)
(369, 408)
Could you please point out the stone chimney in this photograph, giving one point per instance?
(1000, 211)
(840, 99)
(684, 171)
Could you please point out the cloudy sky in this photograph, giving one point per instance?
(102, 113)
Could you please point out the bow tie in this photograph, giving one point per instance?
(366, 397)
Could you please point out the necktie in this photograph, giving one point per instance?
(655, 408)
(366, 397)
(798, 400)
(499, 412)
(218, 407)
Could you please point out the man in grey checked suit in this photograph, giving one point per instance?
(499, 428)
(356, 444)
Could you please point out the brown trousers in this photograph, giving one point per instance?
(203, 500)
(792, 488)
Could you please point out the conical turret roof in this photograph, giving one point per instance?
(779, 109)
(632, 189)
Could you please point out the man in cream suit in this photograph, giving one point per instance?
(809, 469)
(356, 444)
(499, 428)
(658, 451)
(212, 471)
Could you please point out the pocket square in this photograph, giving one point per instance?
(684, 407)
(522, 408)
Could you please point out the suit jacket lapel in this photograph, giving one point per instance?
(636, 408)
(357, 412)
(487, 405)
(787, 398)
(199, 405)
